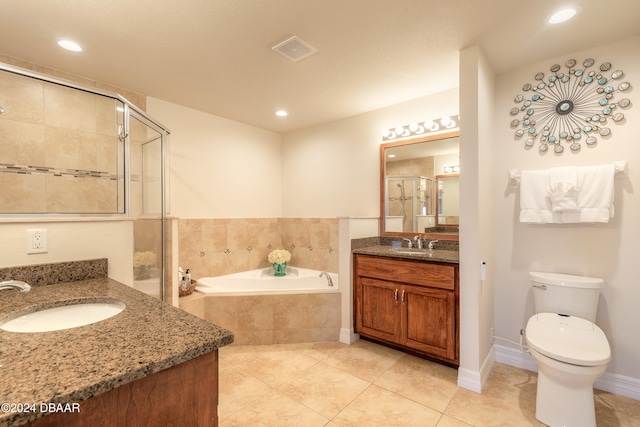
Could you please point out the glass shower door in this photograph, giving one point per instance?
(147, 148)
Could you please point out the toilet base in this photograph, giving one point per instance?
(564, 396)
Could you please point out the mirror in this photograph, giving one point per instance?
(448, 200)
(412, 182)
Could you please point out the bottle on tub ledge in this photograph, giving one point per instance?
(185, 278)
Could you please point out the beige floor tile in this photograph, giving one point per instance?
(379, 407)
(324, 389)
(277, 410)
(447, 421)
(496, 409)
(236, 354)
(318, 350)
(614, 410)
(512, 380)
(364, 359)
(237, 390)
(316, 380)
(426, 382)
(277, 367)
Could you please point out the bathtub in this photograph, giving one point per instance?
(296, 280)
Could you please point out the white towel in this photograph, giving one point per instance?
(563, 190)
(595, 195)
(535, 205)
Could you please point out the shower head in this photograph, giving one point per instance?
(399, 185)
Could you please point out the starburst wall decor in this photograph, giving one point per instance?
(570, 107)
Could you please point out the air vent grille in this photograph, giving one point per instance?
(295, 49)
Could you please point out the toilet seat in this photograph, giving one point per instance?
(568, 339)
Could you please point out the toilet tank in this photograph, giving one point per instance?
(566, 294)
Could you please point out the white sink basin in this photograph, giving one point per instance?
(64, 317)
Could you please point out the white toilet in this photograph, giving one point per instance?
(571, 351)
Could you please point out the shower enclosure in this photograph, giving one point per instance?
(70, 150)
(409, 204)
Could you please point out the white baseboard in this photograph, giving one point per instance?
(474, 380)
(612, 383)
(469, 379)
(347, 336)
(619, 384)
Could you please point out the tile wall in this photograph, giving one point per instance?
(58, 146)
(213, 247)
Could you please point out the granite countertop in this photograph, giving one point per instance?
(435, 255)
(72, 365)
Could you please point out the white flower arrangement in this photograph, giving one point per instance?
(144, 258)
(279, 256)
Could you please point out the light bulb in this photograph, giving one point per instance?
(70, 45)
(562, 16)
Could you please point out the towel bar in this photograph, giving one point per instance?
(621, 172)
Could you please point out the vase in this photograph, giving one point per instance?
(141, 272)
(279, 269)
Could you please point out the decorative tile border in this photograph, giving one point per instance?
(44, 170)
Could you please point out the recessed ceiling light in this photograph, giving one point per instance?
(562, 16)
(281, 113)
(70, 45)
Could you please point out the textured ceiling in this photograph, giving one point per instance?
(215, 55)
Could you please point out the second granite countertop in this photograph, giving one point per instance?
(434, 255)
(73, 365)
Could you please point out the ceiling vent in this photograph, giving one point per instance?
(295, 49)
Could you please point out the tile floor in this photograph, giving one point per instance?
(365, 384)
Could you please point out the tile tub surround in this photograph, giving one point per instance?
(75, 364)
(215, 247)
(271, 319)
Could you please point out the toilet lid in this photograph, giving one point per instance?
(568, 339)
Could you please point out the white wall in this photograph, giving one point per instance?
(476, 223)
(608, 250)
(72, 241)
(219, 168)
(334, 169)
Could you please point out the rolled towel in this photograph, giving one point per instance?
(563, 196)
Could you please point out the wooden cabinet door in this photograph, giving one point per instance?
(378, 309)
(428, 320)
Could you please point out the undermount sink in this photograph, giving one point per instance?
(63, 317)
(413, 251)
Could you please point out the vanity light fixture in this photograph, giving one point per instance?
(415, 129)
(281, 113)
(70, 45)
(562, 16)
(452, 169)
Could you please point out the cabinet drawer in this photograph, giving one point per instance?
(406, 271)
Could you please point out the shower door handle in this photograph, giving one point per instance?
(122, 134)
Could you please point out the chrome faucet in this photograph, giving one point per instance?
(432, 244)
(329, 281)
(418, 241)
(15, 284)
(409, 243)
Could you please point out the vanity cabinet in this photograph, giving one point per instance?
(408, 304)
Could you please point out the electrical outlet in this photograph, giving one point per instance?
(37, 241)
